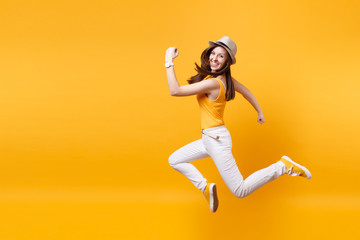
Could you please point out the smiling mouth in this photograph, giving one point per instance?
(214, 64)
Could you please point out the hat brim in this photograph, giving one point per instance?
(233, 59)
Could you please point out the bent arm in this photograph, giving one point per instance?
(203, 87)
(172, 81)
(247, 95)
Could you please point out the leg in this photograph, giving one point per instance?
(260, 178)
(221, 152)
(180, 159)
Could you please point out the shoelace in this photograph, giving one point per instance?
(291, 171)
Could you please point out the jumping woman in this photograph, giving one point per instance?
(214, 86)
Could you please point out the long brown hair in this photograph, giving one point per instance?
(205, 70)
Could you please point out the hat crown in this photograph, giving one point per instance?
(228, 44)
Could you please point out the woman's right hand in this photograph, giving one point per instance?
(171, 54)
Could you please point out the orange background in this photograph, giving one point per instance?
(87, 121)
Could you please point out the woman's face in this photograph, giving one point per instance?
(218, 58)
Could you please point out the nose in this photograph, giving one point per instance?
(214, 58)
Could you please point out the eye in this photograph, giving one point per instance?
(212, 53)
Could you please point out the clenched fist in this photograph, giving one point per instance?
(171, 54)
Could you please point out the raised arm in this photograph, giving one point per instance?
(250, 98)
(186, 90)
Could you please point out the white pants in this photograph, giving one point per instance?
(220, 151)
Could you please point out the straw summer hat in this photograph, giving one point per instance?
(228, 44)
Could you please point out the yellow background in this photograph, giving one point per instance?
(87, 122)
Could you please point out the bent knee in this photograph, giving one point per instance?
(172, 160)
(240, 192)
(240, 195)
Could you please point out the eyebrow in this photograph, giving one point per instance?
(218, 53)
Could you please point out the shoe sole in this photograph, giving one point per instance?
(214, 201)
(307, 172)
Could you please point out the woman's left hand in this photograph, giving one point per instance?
(260, 118)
